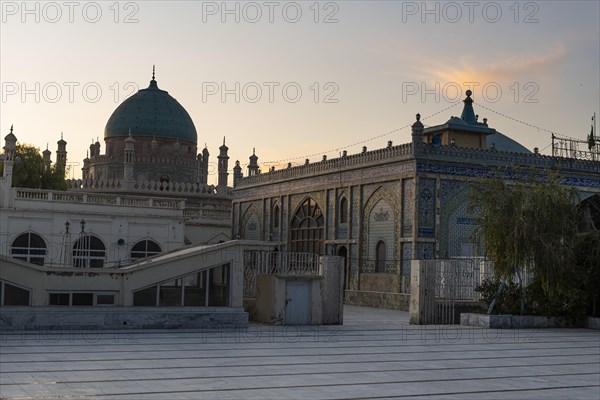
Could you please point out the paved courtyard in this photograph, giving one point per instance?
(375, 355)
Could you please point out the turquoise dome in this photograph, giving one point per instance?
(151, 112)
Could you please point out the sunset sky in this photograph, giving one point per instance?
(364, 69)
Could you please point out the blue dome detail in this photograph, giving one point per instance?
(151, 112)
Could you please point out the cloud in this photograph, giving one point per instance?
(503, 69)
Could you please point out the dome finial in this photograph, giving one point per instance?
(468, 115)
(223, 139)
(153, 71)
(11, 128)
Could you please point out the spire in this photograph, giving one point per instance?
(11, 128)
(46, 154)
(153, 84)
(129, 139)
(223, 167)
(237, 173)
(468, 115)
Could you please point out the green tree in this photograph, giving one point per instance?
(529, 223)
(29, 170)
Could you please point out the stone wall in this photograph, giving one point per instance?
(96, 319)
(380, 282)
(392, 301)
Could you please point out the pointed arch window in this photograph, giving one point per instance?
(88, 252)
(307, 228)
(343, 210)
(145, 248)
(380, 256)
(29, 247)
(276, 216)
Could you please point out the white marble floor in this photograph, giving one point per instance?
(375, 355)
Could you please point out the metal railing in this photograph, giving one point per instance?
(276, 263)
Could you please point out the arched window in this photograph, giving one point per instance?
(29, 247)
(380, 255)
(276, 216)
(88, 252)
(343, 210)
(307, 228)
(145, 248)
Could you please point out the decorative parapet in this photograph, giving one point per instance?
(97, 199)
(176, 160)
(207, 214)
(451, 153)
(401, 152)
(443, 153)
(163, 188)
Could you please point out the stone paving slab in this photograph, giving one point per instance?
(376, 354)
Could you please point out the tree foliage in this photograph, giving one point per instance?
(29, 170)
(531, 223)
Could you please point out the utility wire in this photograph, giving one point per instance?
(362, 141)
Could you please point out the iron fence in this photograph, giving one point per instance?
(275, 262)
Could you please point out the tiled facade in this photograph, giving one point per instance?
(413, 198)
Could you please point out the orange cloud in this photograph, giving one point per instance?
(503, 69)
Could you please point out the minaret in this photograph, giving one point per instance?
(237, 173)
(61, 152)
(92, 149)
(97, 149)
(129, 161)
(9, 153)
(253, 166)
(85, 171)
(223, 162)
(417, 134)
(46, 156)
(9, 160)
(203, 167)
